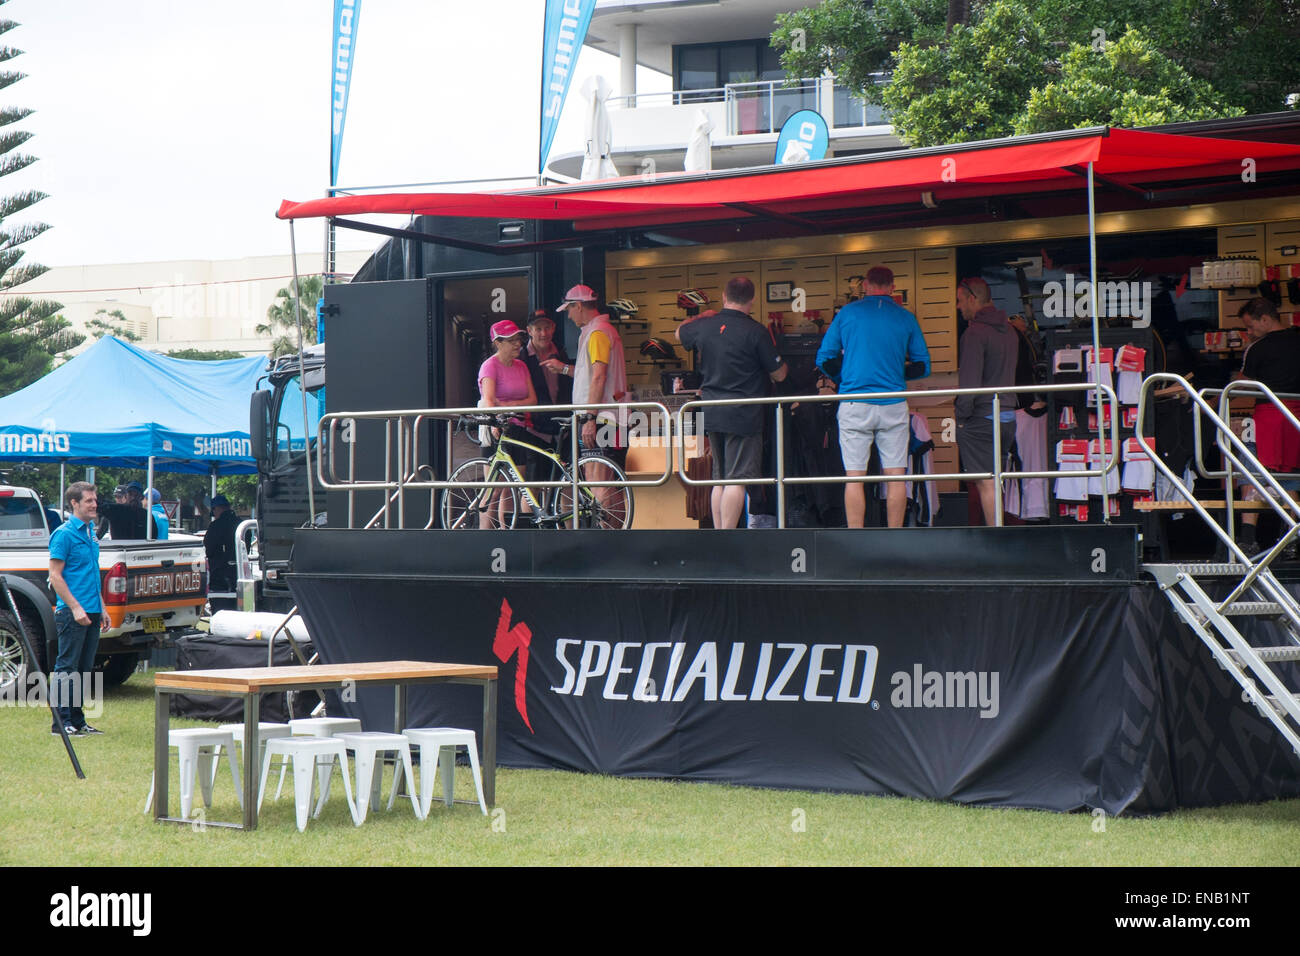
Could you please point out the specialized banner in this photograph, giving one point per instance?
(563, 34)
(347, 15)
(1049, 697)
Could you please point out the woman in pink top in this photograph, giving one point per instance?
(504, 381)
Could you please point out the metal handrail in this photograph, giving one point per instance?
(405, 445)
(632, 101)
(1241, 388)
(738, 92)
(781, 479)
(1250, 474)
(1247, 388)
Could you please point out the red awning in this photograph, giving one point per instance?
(996, 167)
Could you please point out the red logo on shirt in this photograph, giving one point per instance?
(508, 642)
(722, 329)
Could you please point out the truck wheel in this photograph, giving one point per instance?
(11, 646)
(117, 668)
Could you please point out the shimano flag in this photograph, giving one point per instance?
(566, 28)
(347, 14)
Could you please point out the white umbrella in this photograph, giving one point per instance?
(596, 163)
(698, 155)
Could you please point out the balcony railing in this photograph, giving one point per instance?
(763, 106)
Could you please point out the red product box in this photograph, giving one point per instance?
(1131, 359)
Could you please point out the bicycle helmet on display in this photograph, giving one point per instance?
(692, 300)
(623, 308)
(659, 350)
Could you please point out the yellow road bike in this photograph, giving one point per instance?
(502, 506)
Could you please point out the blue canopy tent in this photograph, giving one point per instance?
(118, 405)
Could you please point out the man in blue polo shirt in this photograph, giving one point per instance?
(74, 576)
(881, 346)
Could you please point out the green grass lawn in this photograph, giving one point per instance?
(48, 817)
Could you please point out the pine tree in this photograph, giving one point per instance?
(31, 330)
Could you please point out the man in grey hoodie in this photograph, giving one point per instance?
(986, 358)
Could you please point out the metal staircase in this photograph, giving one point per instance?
(1254, 594)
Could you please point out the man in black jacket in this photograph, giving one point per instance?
(552, 374)
(551, 369)
(219, 543)
(125, 514)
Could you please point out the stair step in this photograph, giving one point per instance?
(1213, 569)
(1276, 702)
(1287, 652)
(1252, 609)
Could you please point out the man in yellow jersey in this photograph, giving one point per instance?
(599, 374)
(599, 377)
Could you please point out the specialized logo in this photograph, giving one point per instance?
(514, 641)
(654, 672)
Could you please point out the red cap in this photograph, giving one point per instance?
(505, 329)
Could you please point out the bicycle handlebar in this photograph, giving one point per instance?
(502, 419)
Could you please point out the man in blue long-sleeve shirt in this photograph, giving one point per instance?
(881, 346)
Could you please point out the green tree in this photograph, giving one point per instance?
(205, 355)
(988, 68)
(241, 490)
(113, 323)
(1129, 83)
(282, 320)
(854, 40)
(972, 85)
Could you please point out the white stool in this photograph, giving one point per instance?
(265, 731)
(199, 749)
(319, 727)
(307, 753)
(438, 749)
(366, 746)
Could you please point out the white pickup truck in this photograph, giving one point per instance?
(153, 590)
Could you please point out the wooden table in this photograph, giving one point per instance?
(251, 683)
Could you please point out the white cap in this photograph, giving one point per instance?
(579, 293)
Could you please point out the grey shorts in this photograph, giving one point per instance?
(975, 442)
(736, 456)
(863, 424)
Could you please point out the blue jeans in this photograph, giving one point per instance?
(77, 646)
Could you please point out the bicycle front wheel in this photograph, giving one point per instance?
(601, 507)
(483, 509)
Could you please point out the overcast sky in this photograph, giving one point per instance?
(171, 129)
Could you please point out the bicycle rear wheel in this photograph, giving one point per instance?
(609, 508)
(482, 509)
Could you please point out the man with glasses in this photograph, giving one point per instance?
(599, 375)
(552, 373)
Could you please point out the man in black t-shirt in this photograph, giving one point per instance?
(125, 513)
(1273, 359)
(736, 360)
